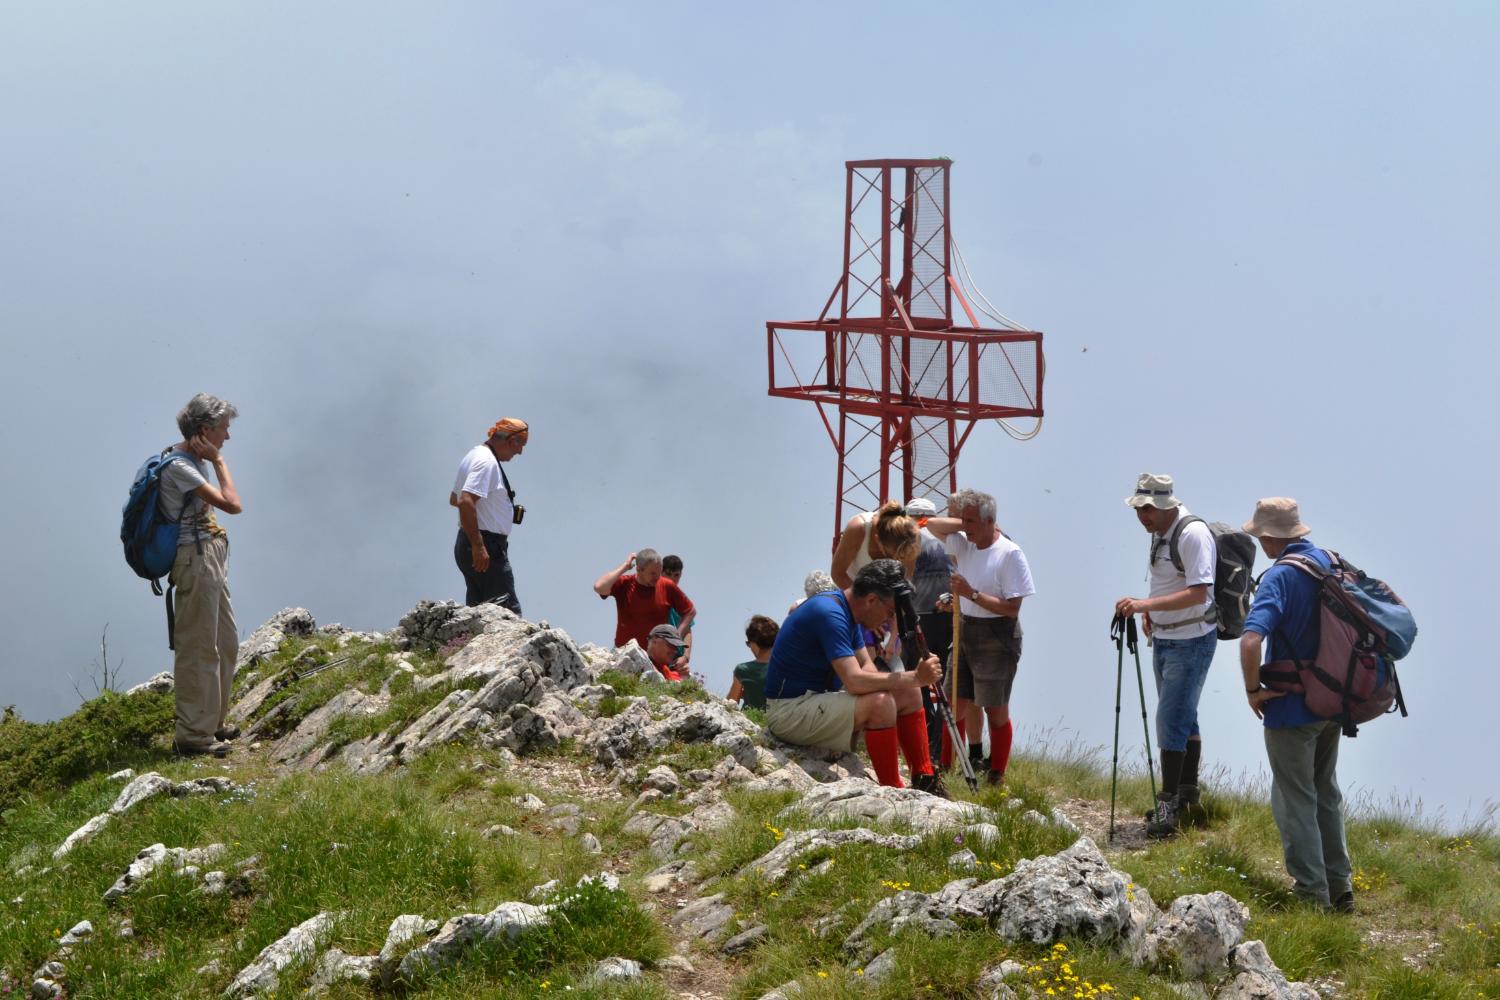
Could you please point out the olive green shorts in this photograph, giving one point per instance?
(824, 719)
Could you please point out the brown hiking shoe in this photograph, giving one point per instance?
(227, 733)
(994, 778)
(932, 784)
(218, 748)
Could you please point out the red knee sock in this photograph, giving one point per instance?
(911, 729)
(1000, 747)
(885, 748)
(945, 755)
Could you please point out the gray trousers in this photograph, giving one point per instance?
(1308, 808)
(206, 638)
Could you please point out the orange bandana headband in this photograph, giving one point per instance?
(509, 426)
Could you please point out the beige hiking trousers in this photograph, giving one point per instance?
(207, 640)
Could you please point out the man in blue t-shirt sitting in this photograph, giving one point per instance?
(822, 690)
(1303, 748)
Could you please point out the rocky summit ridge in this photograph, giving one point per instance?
(525, 692)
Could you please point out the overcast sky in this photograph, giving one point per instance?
(1260, 240)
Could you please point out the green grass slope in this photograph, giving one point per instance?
(413, 841)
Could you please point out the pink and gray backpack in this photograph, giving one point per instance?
(1363, 629)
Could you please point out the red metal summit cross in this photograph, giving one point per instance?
(907, 384)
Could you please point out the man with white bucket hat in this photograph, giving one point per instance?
(1179, 618)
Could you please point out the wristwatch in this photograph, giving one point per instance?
(974, 595)
(1254, 690)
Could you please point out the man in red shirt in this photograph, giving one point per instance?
(643, 599)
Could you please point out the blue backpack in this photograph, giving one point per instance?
(150, 540)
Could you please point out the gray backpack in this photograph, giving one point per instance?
(1234, 577)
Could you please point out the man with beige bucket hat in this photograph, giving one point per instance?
(1179, 617)
(1302, 748)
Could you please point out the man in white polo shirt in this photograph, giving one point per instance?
(1179, 618)
(486, 513)
(991, 579)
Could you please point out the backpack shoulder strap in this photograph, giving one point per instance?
(1182, 523)
(1306, 564)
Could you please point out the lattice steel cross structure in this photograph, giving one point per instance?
(908, 385)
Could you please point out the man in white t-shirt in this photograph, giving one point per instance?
(486, 512)
(1179, 619)
(990, 579)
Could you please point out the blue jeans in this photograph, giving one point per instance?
(1181, 667)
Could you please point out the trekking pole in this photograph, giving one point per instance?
(1117, 636)
(906, 615)
(1130, 640)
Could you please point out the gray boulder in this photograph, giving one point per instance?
(664, 834)
(1256, 977)
(632, 661)
(1196, 934)
(615, 970)
(336, 966)
(779, 861)
(879, 968)
(930, 914)
(267, 640)
(858, 799)
(663, 779)
(441, 622)
(140, 789)
(745, 940)
(177, 859)
(706, 917)
(1074, 892)
(507, 921)
(403, 931)
(298, 945)
(78, 933)
(158, 683)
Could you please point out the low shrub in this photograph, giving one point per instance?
(106, 732)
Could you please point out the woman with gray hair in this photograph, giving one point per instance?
(205, 638)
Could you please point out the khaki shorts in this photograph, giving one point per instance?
(823, 720)
(988, 661)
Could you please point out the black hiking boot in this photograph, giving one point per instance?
(1345, 903)
(932, 784)
(1189, 811)
(1164, 821)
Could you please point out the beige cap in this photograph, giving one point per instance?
(1276, 517)
(1153, 490)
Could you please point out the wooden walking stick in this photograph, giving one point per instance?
(958, 634)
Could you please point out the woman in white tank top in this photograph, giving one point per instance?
(886, 533)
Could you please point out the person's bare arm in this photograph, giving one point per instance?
(452, 499)
(224, 496)
(861, 677)
(1250, 644)
(736, 691)
(468, 520)
(850, 539)
(1006, 607)
(942, 527)
(1187, 597)
(606, 583)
